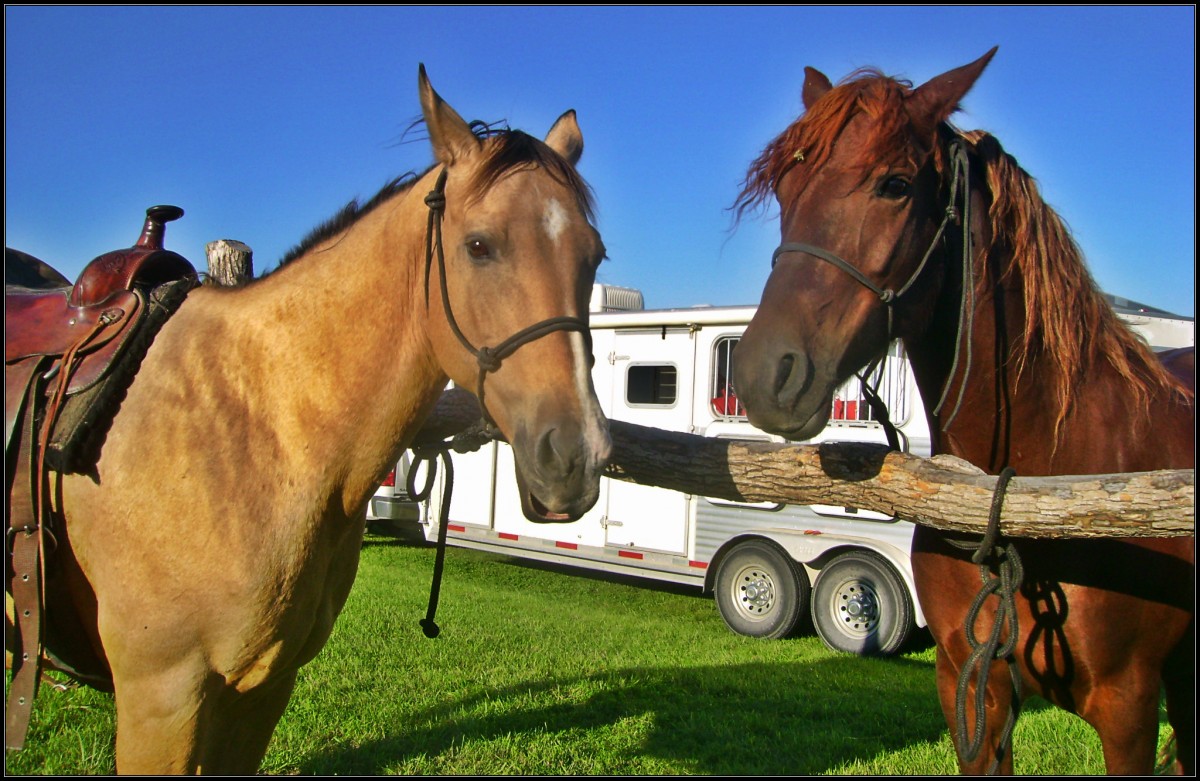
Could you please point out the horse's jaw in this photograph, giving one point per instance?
(791, 424)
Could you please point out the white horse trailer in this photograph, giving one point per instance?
(773, 568)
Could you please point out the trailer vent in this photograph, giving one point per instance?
(610, 298)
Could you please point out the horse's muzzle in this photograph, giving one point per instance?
(781, 389)
(559, 470)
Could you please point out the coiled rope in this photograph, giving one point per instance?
(1001, 571)
(428, 456)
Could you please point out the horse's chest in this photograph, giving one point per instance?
(296, 611)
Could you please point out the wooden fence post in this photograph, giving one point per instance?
(230, 263)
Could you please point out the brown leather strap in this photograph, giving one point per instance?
(25, 541)
(17, 377)
(28, 528)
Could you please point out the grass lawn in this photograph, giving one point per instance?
(537, 672)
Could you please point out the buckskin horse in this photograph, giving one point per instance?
(215, 541)
(897, 225)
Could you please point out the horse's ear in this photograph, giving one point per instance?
(449, 133)
(566, 138)
(935, 100)
(816, 84)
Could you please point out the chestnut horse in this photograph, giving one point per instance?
(897, 225)
(219, 538)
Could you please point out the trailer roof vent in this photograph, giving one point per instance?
(610, 298)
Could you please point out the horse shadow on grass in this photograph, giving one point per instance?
(748, 719)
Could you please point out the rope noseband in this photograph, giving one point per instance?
(488, 359)
(959, 178)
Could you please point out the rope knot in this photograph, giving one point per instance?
(436, 200)
(488, 360)
(475, 437)
(887, 296)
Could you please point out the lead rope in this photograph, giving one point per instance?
(878, 406)
(1008, 563)
(428, 455)
(1008, 569)
(1005, 582)
(966, 311)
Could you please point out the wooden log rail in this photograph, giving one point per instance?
(943, 492)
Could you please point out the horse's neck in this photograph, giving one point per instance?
(966, 366)
(1008, 413)
(342, 361)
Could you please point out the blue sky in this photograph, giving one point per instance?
(261, 122)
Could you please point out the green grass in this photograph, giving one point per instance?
(537, 672)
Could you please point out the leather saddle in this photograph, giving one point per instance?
(70, 353)
(83, 332)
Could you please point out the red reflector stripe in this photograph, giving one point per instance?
(455, 527)
(567, 545)
(698, 564)
(628, 554)
(508, 536)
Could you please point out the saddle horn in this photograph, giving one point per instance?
(155, 228)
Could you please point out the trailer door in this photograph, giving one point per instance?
(654, 373)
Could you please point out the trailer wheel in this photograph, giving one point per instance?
(760, 592)
(860, 605)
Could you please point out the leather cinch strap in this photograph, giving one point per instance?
(25, 543)
(29, 521)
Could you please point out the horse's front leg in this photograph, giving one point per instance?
(242, 725)
(1179, 678)
(1125, 715)
(997, 703)
(161, 719)
(192, 722)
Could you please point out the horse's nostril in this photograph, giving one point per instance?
(783, 373)
(793, 375)
(553, 455)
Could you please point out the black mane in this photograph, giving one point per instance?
(349, 214)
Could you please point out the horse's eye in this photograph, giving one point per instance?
(894, 187)
(478, 249)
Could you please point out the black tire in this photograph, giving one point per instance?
(860, 605)
(760, 591)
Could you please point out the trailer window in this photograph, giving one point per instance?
(889, 377)
(651, 384)
(725, 402)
